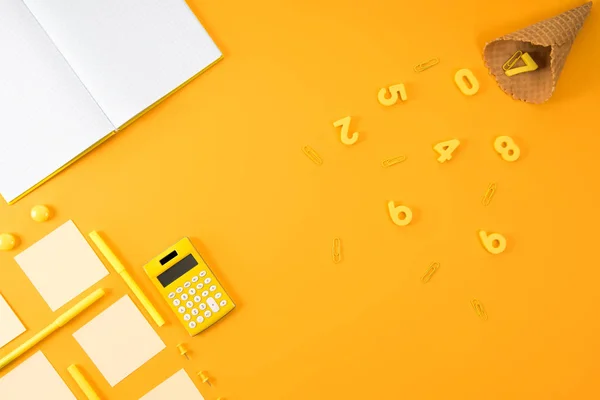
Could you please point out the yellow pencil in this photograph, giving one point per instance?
(59, 322)
(120, 269)
(84, 385)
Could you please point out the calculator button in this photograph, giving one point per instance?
(223, 303)
(200, 319)
(187, 317)
(179, 290)
(207, 314)
(205, 293)
(202, 306)
(207, 280)
(195, 312)
(212, 304)
(189, 304)
(184, 297)
(181, 309)
(172, 295)
(192, 324)
(195, 279)
(218, 296)
(202, 274)
(192, 291)
(197, 299)
(212, 288)
(176, 302)
(187, 285)
(199, 286)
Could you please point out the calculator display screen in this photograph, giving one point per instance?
(178, 269)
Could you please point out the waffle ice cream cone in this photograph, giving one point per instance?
(548, 42)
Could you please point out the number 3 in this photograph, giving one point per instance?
(495, 243)
(401, 215)
(395, 91)
(507, 148)
(445, 149)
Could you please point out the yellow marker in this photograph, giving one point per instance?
(391, 161)
(426, 65)
(401, 215)
(336, 250)
(182, 350)
(489, 193)
(478, 307)
(58, 323)
(507, 148)
(433, 267)
(397, 91)
(204, 378)
(40, 213)
(7, 241)
(495, 243)
(466, 82)
(83, 384)
(529, 66)
(345, 124)
(445, 149)
(312, 154)
(120, 269)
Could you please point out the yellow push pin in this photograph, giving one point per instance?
(183, 350)
(204, 378)
(40, 213)
(7, 241)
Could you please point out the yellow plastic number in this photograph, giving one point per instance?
(466, 82)
(495, 243)
(395, 91)
(507, 148)
(401, 215)
(445, 149)
(529, 66)
(345, 124)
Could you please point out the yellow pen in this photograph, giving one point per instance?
(120, 269)
(59, 322)
(84, 385)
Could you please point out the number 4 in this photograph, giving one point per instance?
(445, 149)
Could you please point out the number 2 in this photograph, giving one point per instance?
(507, 148)
(445, 149)
(345, 124)
(396, 91)
(495, 243)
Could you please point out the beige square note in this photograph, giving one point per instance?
(178, 386)
(62, 265)
(119, 340)
(10, 325)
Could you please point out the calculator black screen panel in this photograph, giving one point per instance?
(177, 270)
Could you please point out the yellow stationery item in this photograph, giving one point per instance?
(445, 149)
(529, 66)
(189, 287)
(426, 65)
(183, 350)
(312, 154)
(345, 124)
(83, 384)
(120, 269)
(478, 307)
(401, 215)
(466, 82)
(8, 241)
(59, 322)
(489, 193)
(397, 91)
(507, 148)
(433, 267)
(394, 160)
(204, 377)
(495, 243)
(40, 213)
(336, 250)
(512, 60)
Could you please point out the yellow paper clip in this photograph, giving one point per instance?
(391, 161)
(426, 65)
(433, 267)
(512, 60)
(336, 250)
(529, 66)
(312, 154)
(489, 193)
(478, 307)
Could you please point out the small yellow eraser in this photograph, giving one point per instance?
(345, 124)
(507, 148)
(445, 149)
(40, 213)
(466, 82)
(401, 215)
(7, 241)
(495, 243)
(396, 92)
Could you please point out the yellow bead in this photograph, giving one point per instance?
(7, 241)
(40, 213)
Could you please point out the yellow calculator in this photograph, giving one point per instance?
(189, 286)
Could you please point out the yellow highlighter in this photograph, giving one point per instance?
(120, 269)
(83, 384)
(59, 322)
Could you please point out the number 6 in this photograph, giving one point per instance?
(495, 243)
(401, 215)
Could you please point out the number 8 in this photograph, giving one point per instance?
(507, 148)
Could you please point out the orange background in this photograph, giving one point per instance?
(220, 161)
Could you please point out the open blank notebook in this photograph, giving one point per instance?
(75, 71)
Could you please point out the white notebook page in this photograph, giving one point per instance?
(48, 117)
(128, 53)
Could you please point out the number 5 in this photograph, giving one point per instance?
(395, 91)
(495, 243)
